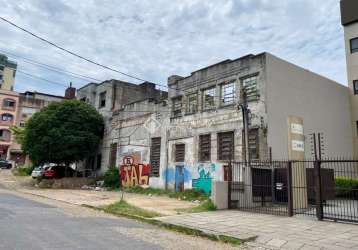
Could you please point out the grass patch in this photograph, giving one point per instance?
(203, 207)
(22, 171)
(124, 208)
(187, 195)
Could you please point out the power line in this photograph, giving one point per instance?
(79, 56)
(41, 78)
(52, 68)
(70, 52)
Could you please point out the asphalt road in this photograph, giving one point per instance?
(27, 224)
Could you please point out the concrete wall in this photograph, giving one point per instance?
(351, 31)
(8, 79)
(323, 104)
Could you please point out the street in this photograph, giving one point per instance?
(32, 223)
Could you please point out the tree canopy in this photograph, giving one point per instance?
(62, 133)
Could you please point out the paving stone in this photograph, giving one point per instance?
(276, 243)
(292, 246)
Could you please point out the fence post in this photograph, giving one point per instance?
(289, 189)
(318, 189)
(229, 180)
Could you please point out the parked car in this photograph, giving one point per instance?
(58, 171)
(4, 164)
(39, 171)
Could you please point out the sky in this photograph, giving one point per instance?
(154, 39)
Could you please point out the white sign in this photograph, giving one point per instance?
(298, 146)
(296, 128)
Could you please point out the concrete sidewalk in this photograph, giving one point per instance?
(272, 232)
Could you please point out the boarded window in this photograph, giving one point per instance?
(250, 86)
(192, 105)
(228, 93)
(254, 144)
(209, 98)
(226, 146)
(113, 155)
(155, 157)
(179, 152)
(205, 147)
(177, 106)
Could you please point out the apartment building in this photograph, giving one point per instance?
(29, 104)
(109, 97)
(7, 73)
(206, 126)
(349, 14)
(9, 103)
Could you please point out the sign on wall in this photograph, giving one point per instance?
(134, 174)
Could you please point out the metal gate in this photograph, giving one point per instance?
(326, 189)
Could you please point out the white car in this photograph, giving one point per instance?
(39, 171)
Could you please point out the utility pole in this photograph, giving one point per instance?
(243, 106)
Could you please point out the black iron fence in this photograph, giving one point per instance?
(326, 189)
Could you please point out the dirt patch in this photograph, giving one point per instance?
(66, 183)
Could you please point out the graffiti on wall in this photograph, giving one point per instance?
(206, 173)
(134, 174)
(171, 174)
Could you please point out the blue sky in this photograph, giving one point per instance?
(158, 38)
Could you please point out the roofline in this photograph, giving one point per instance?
(41, 93)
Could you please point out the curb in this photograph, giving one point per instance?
(179, 228)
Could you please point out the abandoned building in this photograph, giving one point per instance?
(109, 97)
(206, 126)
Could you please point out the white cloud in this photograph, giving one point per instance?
(154, 39)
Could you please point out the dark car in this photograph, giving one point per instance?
(59, 171)
(4, 164)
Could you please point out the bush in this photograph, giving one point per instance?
(346, 187)
(111, 178)
(23, 170)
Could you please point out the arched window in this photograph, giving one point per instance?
(9, 104)
(7, 117)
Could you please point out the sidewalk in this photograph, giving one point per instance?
(158, 204)
(272, 232)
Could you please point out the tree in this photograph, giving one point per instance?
(62, 133)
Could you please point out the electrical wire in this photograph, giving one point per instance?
(52, 68)
(41, 78)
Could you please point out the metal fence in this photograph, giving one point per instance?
(326, 189)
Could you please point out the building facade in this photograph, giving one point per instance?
(109, 97)
(206, 128)
(349, 13)
(9, 102)
(7, 73)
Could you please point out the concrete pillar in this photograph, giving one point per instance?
(296, 151)
(219, 194)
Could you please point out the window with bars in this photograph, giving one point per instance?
(155, 157)
(205, 147)
(179, 152)
(177, 106)
(102, 100)
(250, 86)
(228, 93)
(226, 146)
(355, 87)
(192, 104)
(209, 98)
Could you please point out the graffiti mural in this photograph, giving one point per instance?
(134, 174)
(206, 173)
